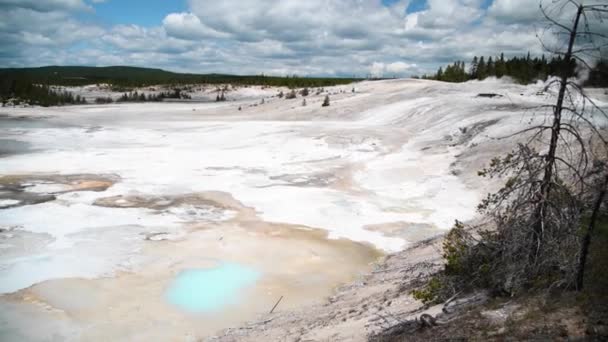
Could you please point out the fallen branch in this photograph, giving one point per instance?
(277, 303)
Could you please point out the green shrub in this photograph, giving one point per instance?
(432, 292)
(469, 263)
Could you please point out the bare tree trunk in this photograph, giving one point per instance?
(545, 189)
(580, 274)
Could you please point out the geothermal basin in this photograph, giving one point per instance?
(173, 221)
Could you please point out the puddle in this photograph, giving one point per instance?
(10, 147)
(210, 290)
(25, 122)
(187, 207)
(20, 190)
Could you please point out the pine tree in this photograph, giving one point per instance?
(440, 74)
(501, 69)
(291, 95)
(522, 69)
(481, 69)
(491, 68)
(474, 65)
(463, 72)
(325, 101)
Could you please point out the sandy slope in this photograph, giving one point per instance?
(385, 166)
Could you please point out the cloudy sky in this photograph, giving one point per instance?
(303, 37)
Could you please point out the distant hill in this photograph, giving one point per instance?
(134, 76)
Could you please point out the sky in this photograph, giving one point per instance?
(283, 37)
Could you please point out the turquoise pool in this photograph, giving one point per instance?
(210, 290)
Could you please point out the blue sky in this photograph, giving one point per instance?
(420, 5)
(417, 6)
(312, 37)
(139, 12)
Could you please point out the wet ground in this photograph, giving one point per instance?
(20, 190)
(79, 252)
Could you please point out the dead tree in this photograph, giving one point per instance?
(550, 158)
(582, 262)
(583, 44)
(539, 211)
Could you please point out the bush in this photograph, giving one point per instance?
(290, 95)
(220, 97)
(325, 101)
(507, 260)
(468, 262)
(103, 100)
(431, 293)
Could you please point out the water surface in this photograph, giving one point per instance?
(210, 290)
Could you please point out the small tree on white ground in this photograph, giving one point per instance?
(326, 101)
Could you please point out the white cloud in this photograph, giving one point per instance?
(24, 33)
(45, 5)
(314, 37)
(133, 38)
(380, 69)
(188, 26)
(377, 69)
(442, 17)
(399, 67)
(515, 11)
(290, 20)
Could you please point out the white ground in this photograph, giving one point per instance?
(196, 92)
(399, 152)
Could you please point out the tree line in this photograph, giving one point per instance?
(37, 94)
(523, 70)
(133, 77)
(134, 96)
(33, 85)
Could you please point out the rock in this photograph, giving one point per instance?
(489, 95)
(162, 236)
(499, 317)
(464, 302)
(427, 321)
(498, 332)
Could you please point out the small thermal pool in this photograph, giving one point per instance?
(210, 290)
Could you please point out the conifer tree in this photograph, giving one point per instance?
(325, 101)
(481, 69)
(491, 68)
(474, 65)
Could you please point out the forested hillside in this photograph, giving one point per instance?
(136, 77)
(32, 84)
